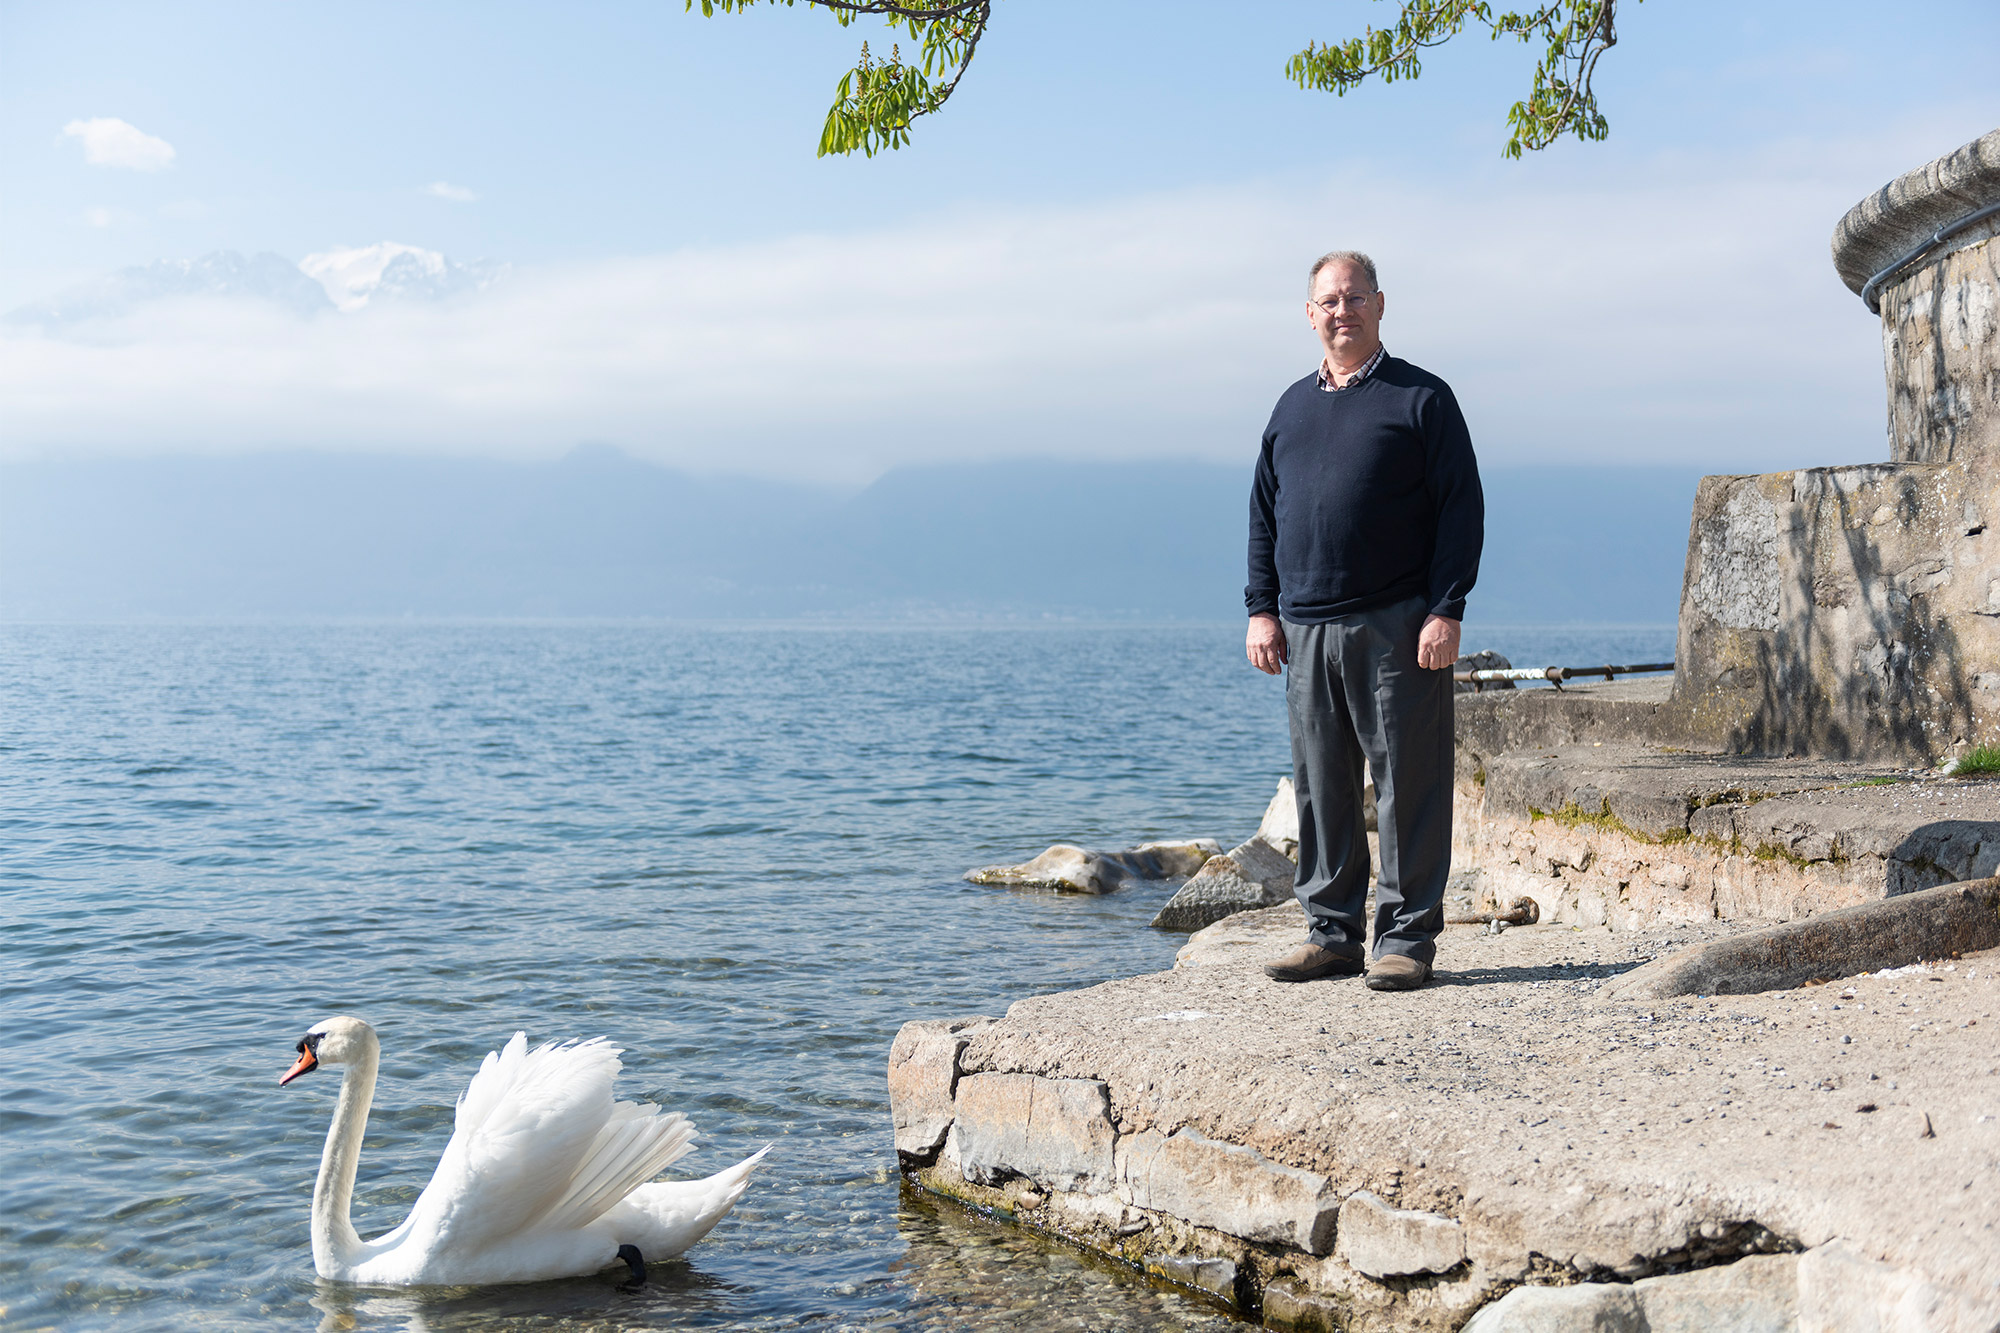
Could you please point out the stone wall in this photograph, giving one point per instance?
(1849, 612)
(1854, 612)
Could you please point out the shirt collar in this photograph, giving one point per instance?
(1326, 383)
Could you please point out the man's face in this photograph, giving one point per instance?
(1345, 312)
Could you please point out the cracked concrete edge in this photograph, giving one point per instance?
(1260, 1235)
(1944, 922)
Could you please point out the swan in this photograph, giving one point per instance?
(544, 1176)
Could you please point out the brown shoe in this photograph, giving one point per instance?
(1309, 962)
(1394, 971)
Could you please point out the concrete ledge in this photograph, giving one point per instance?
(1335, 1157)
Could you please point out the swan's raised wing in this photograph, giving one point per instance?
(635, 1146)
(530, 1126)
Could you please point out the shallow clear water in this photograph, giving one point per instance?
(734, 851)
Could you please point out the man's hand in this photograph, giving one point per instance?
(1265, 644)
(1437, 643)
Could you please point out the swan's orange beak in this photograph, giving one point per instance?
(307, 1063)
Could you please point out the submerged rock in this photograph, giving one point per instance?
(1067, 869)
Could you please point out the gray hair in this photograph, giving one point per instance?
(1354, 257)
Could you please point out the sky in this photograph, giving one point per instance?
(1095, 252)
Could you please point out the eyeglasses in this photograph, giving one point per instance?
(1351, 300)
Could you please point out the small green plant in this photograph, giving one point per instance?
(1873, 782)
(1979, 759)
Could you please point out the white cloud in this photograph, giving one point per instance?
(1683, 312)
(456, 194)
(110, 142)
(98, 216)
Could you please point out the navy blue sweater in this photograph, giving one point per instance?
(1365, 497)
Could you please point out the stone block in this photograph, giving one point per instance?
(1217, 1277)
(1381, 1241)
(1056, 1132)
(1842, 1290)
(1289, 1305)
(923, 1073)
(1758, 1294)
(1933, 923)
(1227, 1187)
(1593, 1307)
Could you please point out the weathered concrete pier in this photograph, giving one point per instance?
(1744, 1073)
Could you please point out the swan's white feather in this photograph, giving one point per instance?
(669, 1215)
(524, 1131)
(629, 1151)
(544, 1176)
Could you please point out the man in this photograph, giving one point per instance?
(1366, 521)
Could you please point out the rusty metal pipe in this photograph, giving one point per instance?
(1522, 912)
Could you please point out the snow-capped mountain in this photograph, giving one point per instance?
(343, 280)
(389, 269)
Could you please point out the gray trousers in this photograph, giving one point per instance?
(1354, 691)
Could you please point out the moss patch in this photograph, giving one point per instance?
(1573, 816)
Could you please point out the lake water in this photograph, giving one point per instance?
(734, 851)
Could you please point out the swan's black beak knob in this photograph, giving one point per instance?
(307, 1062)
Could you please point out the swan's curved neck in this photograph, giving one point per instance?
(335, 1243)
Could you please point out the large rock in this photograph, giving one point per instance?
(1382, 1241)
(1253, 874)
(1757, 1294)
(1481, 661)
(923, 1074)
(1056, 1132)
(1228, 1187)
(1592, 1307)
(1930, 924)
(1280, 826)
(1067, 869)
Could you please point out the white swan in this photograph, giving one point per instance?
(544, 1176)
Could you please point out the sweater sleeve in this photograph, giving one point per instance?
(1458, 502)
(1260, 595)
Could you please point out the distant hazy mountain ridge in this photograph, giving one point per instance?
(343, 280)
(599, 533)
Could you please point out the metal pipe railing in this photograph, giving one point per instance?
(1553, 675)
(1872, 288)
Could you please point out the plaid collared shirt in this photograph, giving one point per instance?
(1327, 385)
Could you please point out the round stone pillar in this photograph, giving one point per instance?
(1940, 310)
